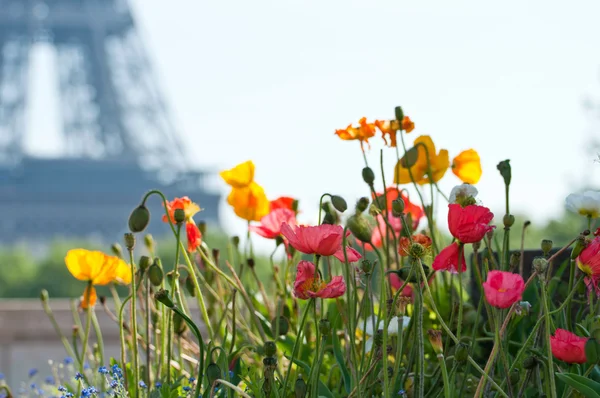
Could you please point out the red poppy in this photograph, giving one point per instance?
(270, 225)
(404, 243)
(589, 263)
(324, 240)
(416, 212)
(447, 259)
(568, 347)
(469, 224)
(597, 232)
(309, 284)
(283, 202)
(503, 289)
(397, 283)
(194, 236)
(184, 203)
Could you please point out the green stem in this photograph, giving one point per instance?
(570, 289)
(420, 343)
(122, 336)
(136, 376)
(63, 339)
(88, 326)
(445, 377)
(460, 299)
(296, 345)
(148, 335)
(99, 339)
(196, 332)
(550, 379)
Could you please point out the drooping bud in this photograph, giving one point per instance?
(270, 348)
(300, 388)
(155, 274)
(179, 325)
(508, 220)
(399, 113)
(324, 327)
(461, 351)
(368, 175)
(284, 325)
(329, 219)
(129, 241)
(163, 297)
(505, 171)
(360, 228)
(435, 338)
(540, 264)
(179, 216)
(546, 246)
(149, 242)
(145, 262)
(115, 248)
(397, 207)
(213, 372)
(362, 205)
(44, 295)
(339, 203)
(139, 219)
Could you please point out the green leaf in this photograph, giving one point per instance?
(587, 387)
(323, 390)
(339, 357)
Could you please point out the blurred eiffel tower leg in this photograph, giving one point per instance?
(14, 63)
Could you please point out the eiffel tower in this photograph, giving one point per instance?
(120, 141)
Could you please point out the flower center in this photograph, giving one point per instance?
(586, 269)
(314, 285)
(502, 290)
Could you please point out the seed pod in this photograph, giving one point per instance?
(213, 372)
(360, 228)
(284, 325)
(139, 219)
(300, 388)
(339, 203)
(368, 175)
(145, 262)
(179, 215)
(155, 274)
(270, 348)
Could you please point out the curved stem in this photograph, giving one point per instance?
(122, 336)
(296, 344)
(136, 375)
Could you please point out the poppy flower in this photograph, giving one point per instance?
(447, 259)
(467, 166)
(461, 192)
(587, 203)
(363, 132)
(240, 176)
(96, 268)
(194, 236)
(568, 347)
(388, 128)
(404, 244)
(393, 328)
(396, 283)
(503, 289)
(324, 240)
(469, 224)
(309, 284)
(283, 202)
(589, 263)
(407, 124)
(270, 225)
(428, 162)
(249, 203)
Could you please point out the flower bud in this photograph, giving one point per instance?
(324, 327)
(476, 246)
(284, 325)
(163, 297)
(115, 248)
(368, 175)
(362, 205)
(508, 220)
(515, 376)
(366, 266)
(515, 259)
(149, 242)
(461, 351)
(300, 388)
(129, 240)
(416, 250)
(189, 286)
(145, 262)
(44, 295)
(213, 372)
(530, 362)
(270, 348)
(339, 203)
(435, 338)
(235, 241)
(399, 113)
(397, 207)
(546, 246)
(540, 264)
(360, 228)
(179, 216)
(580, 244)
(139, 219)
(179, 325)
(490, 234)
(155, 274)
(505, 171)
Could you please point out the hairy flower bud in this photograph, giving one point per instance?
(145, 262)
(300, 388)
(139, 219)
(162, 296)
(360, 228)
(235, 241)
(368, 175)
(397, 207)
(179, 216)
(378, 338)
(366, 266)
(546, 246)
(339, 203)
(540, 264)
(129, 241)
(270, 348)
(399, 113)
(155, 274)
(435, 338)
(461, 351)
(508, 220)
(362, 205)
(580, 244)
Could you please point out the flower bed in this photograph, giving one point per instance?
(369, 301)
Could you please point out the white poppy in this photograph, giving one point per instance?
(464, 191)
(393, 328)
(587, 203)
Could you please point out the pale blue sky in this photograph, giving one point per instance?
(272, 80)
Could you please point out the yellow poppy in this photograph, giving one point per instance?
(249, 203)
(240, 176)
(467, 166)
(427, 161)
(96, 268)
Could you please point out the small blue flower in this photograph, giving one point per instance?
(78, 376)
(62, 389)
(402, 393)
(158, 384)
(33, 386)
(116, 371)
(87, 392)
(68, 361)
(49, 380)
(114, 384)
(103, 370)
(32, 372)
(69, 395)
(187, 389)
(40, 391)
(192, 379)
(142, 384)
(231, 374)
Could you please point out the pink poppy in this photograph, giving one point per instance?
(469, 224)
(308, 285)
(324, 240)
(270, 225)
(503, 289)
(568, 347)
